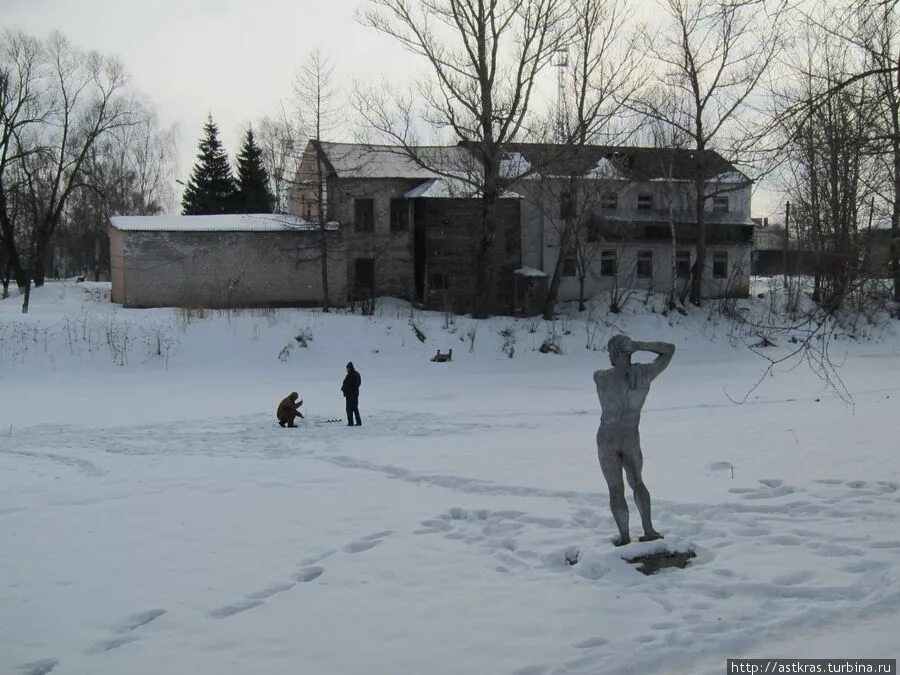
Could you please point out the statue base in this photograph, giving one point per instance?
(650, 563)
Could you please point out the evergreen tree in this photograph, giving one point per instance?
(211, 188)
(254, 195)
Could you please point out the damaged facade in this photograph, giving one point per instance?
(411, 222)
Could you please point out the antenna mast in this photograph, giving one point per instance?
(561, 63)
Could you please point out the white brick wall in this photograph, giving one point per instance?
(228, 269)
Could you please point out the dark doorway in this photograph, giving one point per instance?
(419, 243)
(364, 273)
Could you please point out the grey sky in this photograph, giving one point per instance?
(234, 58)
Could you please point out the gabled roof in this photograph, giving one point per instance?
(357, 160)
(262, 222)
(626, 162)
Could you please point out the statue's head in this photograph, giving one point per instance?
(618, 349)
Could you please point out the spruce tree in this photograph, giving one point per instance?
(254, 195)
(211, 188)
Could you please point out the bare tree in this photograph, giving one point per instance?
(22, 88)
(830, 159)
(279, 141)
(319, 113)
(130, 171)
(595, 86)
(73, 99)
(711, 57)
(484, 58)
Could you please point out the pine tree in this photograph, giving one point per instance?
(254, 195)
(211, 188)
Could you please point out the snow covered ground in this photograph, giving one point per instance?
(154, 519)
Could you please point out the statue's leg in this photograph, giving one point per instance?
(633, 463)
(611, 464)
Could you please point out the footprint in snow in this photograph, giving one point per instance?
(270, 591)
(234, 608)
(360, 546)
(112, 643)
(41, 667)
(140, 619)
(309, 574)
(125, 631)
(366, 543)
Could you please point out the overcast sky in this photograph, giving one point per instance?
(235, 59)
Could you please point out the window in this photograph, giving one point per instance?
(607, 263)
(399, 215)
(720, 265)
(609, 201)
(657, 232)
(683, 264)
(720, 205)
(438, 281)
(594, 225)
(566, 207)
(364, 215)
(645, 264)
(569, 267)
(645, 202)
(364, 269)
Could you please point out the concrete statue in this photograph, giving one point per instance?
(622, 391)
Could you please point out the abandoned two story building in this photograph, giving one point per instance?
(408, 223)
(618, 216)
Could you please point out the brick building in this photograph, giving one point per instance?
(412, 222)
(409, 231)
(222, 261)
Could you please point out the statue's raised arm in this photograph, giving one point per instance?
(665, 350)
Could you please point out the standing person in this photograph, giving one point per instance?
(288, 410)
(350, 388)
(622, 391)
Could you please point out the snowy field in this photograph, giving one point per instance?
(155, 519)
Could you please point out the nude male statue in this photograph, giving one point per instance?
(622, 391)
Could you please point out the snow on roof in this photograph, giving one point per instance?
(261, 222)
(451, 188)
(355, 160)
(514, 165)
(605, 169)
(731, 177)
(530, 272)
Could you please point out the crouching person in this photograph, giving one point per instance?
(289, 410)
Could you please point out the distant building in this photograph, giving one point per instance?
(412, 226)
(222, 261)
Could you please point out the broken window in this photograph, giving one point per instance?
(683, 264)
(610, 201)
(607, 263)
(364, 215)
(438, 281)
(364, 269)
(645, 264)
(720, 205)
(399, 215)
(720, 265)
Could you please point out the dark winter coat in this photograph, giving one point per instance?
(351, 384)
(288, 409)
